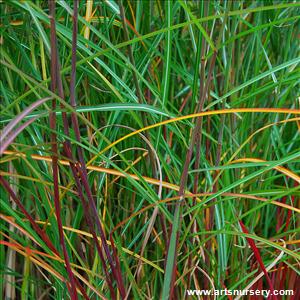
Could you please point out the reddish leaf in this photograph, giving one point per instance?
(258, 257)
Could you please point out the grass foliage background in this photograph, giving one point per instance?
(139, 63)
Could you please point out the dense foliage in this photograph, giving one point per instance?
(148, 147)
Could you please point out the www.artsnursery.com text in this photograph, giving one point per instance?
(265, 293)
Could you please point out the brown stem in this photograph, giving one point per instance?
(72, 289)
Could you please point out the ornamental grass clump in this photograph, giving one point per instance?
(149, 149)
